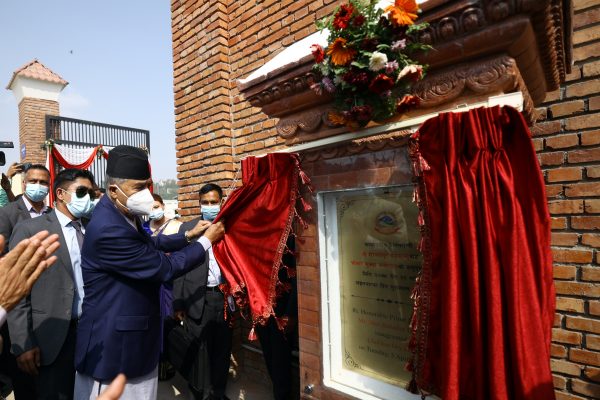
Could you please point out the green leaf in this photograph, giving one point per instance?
(359, 65)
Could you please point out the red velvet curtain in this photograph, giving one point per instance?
(485, 298)
(258, 218)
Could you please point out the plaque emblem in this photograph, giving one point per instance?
(386, 223)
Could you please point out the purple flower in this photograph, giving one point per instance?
(399, 45)
(328, 84)
(391, 66)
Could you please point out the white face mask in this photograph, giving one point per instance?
(139, 203)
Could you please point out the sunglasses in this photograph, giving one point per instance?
(81, 191)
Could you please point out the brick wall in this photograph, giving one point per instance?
(568, 142)
(214, 43)
(32, 127)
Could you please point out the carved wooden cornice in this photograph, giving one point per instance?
(481, 48)
(484, 78)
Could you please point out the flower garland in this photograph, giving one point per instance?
(366, 67)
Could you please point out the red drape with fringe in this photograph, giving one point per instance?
(258, 218)
(485, 298)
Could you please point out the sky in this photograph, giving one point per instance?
(116, 56)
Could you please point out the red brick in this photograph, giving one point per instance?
(592, 206)
(564, 239)
(566, 108)
(585, 121)
(554, 190)
(590, 138)
(585, 222)
(591, 69)
(592, 172)
(545, 128)
(565, 367)
(588, 389)
(585, 52)
(584, 356)
(558, 351)
(592, 373)
(562, 141)
(558, 223)
(564, 272)
(583, 324)
(594, 102)
(586, 155)
(567, 396)
(570, 304)
(592, 342)
(538, 144)
(565, 207)
(552, 96)
(594, 307)
(583, 4)
(564, 174)
(582, 189)
(591, 239)
(569, 288)
(559, 382)
(556, 158)
(572, 256)
(591, 274)
(558, 320)
(567, 337)
(581, 89)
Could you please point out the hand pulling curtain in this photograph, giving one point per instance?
(258, 218)
(484, 302)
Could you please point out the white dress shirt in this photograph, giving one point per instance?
(214, 272)
(32, 212)
(70, 235)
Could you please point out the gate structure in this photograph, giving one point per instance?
(79, 134)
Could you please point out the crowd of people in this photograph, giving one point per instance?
(119, 271)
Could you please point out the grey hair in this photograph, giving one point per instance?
(110, 180)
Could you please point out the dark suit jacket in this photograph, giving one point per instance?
(10, 215)
(189, 290)
(42, 318)
(123, 268)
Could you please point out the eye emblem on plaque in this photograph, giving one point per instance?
(386, 223)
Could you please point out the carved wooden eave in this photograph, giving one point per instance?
(482, 48)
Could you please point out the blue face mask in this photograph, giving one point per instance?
(81, 207)
(157, 214)
(36, 192)
(209, 213)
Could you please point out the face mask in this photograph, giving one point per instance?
(209, 213)
(157, 214)
(80, 206)
(139, 203)
(36, 192)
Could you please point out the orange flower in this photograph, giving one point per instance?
(403, 12)
(407, 103)
(336, 118)
(340, 54)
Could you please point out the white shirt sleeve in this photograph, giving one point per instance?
(2, 316)
(205, 242)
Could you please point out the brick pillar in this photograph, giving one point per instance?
(201, 72)
(36, 89)
(32, 127)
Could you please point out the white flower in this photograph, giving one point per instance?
(377, 61)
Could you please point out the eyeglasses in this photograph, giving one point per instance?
(81, 191)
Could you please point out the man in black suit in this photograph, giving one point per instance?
(36, 182)
(43, 325)
(198, 301)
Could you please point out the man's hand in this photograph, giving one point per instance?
(179, 315)
(14, 169)
(29, 361)
(5, 182)
(115, 390)
(215, 232)
(23, 265)
(199, 229)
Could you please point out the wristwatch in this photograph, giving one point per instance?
(187, 236)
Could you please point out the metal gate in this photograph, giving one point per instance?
(78, 134)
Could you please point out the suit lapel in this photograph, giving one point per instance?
(63, 251)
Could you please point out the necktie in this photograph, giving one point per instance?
(78, 233)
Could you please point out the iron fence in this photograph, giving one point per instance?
(77, 134)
